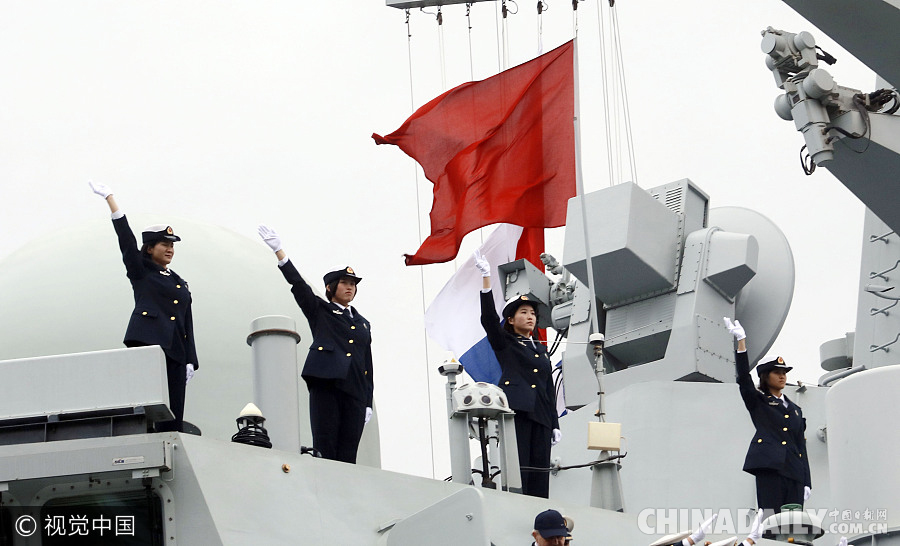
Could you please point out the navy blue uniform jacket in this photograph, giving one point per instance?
(162, 302)
(341, 347)
(526, 369)
(780, 442)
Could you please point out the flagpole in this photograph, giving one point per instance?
(606, 483)
(579, 192)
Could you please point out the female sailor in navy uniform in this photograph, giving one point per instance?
(162, 302)
(338, 369)
(777, 453)
(526, 380)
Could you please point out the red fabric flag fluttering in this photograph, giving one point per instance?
(497, 150)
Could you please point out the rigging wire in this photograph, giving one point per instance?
(439, 17)
(497, 33)
(412, 106)
(505, 29)
(615, 96)
(575, 18)
(605, 81)
(627, 110)
(472, 76)
(615, 106)
(541, 8)
(471, 62)
(443, 58)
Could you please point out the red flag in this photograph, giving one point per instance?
(530, 246)
(498, 150)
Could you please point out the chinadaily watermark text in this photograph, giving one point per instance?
(665, 521)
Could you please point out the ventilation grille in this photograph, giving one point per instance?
(675, 200)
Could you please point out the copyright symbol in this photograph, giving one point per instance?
(26, 526)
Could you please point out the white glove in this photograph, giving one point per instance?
(843, 541)
(807, 491)
(756, 528)
(735, 329)
(704, 528)
(482, 264)
(189, 373)
(270, 237)
(368, 415)
(102, 190)
(557, 436)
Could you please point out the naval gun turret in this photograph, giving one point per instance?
(666, 269)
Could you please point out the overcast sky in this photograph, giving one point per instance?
(235, 113)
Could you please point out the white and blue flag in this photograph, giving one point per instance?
(454, 317)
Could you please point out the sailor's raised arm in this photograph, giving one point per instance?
(756, 529)
(303, 294)
(106, 193)
(484, 267)
(131, 255)
(698, 535)
(749, 393)
(736, 330)
(490, 320)
(271, 238)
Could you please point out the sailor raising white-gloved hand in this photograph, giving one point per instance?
(705, 527)
(270, 237)
(482, 264)
(756, 530)
(100, 189)
(735, 329)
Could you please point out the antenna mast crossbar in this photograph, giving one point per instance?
(407, 4)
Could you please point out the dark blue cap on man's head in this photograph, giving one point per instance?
(339, 274)
(775, 364)
(550, 523)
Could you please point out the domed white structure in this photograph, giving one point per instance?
(68, 293)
